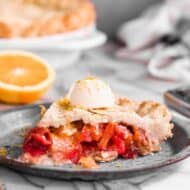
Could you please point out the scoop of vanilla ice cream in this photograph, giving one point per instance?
(91, 93)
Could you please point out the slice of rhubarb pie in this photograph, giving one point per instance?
(92, 125)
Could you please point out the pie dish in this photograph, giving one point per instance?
(31, 18)
(90, 124)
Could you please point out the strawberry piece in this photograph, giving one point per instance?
(122, 131)
(89, 148)
(123, 141)
(131, 152)
(90, 133)
(37, 142)
(119, 144)
(74, 154)
(85, 135)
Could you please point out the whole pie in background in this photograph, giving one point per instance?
(31, 18)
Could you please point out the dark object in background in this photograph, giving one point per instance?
(179, 100)
(170, 39)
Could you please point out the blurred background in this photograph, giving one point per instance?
(111, 14)
(133, 44)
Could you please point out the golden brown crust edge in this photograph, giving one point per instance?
(143, 108)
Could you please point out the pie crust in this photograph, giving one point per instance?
(33, 18)
(69, 134)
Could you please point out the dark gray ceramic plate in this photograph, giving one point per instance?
(12, 122)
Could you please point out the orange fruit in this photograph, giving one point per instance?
(24, 77)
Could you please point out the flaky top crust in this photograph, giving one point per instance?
(154, 118)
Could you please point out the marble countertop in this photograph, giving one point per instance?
(127, 78)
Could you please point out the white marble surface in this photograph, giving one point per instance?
(127, 78)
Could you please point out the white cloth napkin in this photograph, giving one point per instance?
(142, 37)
